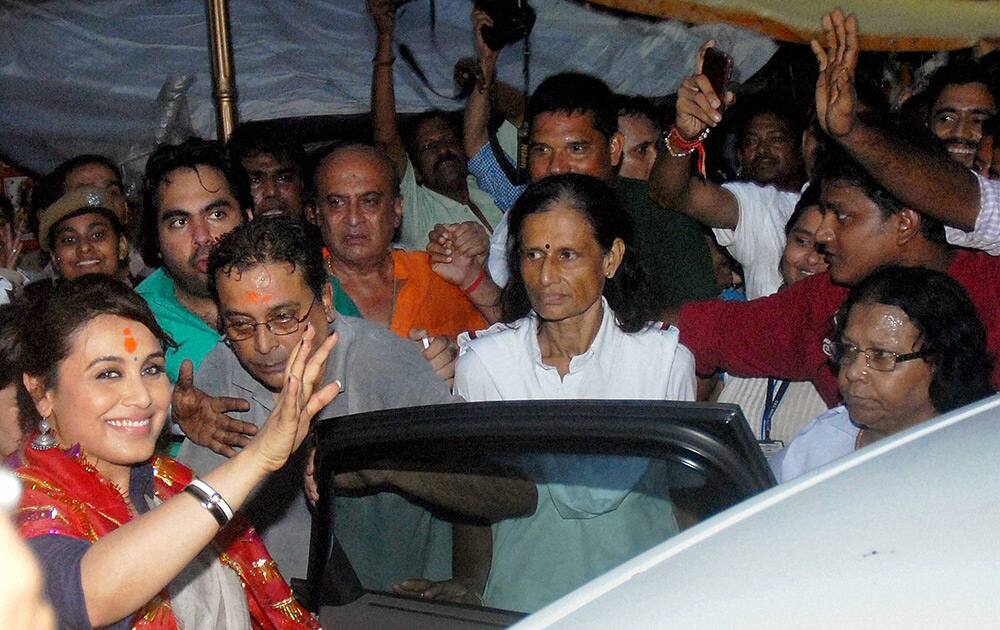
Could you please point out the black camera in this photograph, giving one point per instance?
(512, 21)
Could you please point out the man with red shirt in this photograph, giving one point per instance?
(863, 228)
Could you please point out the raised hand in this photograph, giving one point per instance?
(836, 99)
(458, 251)
(487, 56)
(698, 106)
(297, 403)
(203, 418)
(384, 14)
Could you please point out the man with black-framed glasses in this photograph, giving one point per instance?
(268, 290)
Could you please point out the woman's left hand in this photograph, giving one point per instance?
(297, 403)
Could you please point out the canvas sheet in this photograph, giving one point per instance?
(84, 76)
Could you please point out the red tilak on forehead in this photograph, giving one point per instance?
(254, 296)
(130, 343)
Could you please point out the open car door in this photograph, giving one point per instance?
(703, 456)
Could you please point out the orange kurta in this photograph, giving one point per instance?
(428, 301)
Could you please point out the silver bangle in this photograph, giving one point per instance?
(210, 500)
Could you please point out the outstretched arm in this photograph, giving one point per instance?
(489, 494)
(671, 183)
(384, 126)
(475, 127)
(933, 184)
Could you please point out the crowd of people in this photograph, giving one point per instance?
(160, 369)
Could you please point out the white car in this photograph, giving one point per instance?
(902, 534)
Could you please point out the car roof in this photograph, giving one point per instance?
(904, 533)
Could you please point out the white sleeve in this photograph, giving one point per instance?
(758, 240)
(763, 211)
(985, 235)
(497, 261)
(472, 379)
(414, 203)
(685, 383)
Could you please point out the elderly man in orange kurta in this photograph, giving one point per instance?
(358, 209)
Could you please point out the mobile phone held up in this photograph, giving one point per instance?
(718, 67)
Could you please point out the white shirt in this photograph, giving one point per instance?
(504, 362)
(593, 513)
(497, 261)
(758, 240)
(423, 208)
(830, 436)
(985, 235)
(800, 404)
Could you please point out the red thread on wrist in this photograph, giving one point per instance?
(681, 143)
(475, 283)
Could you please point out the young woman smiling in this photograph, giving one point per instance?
(127, 539)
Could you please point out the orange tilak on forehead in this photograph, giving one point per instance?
(254, 297)
(130, 343)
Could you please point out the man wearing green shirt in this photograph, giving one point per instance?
(193, 195)
(574, 129)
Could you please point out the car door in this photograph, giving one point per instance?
(608, 480)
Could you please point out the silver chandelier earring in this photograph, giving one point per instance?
(45, 439)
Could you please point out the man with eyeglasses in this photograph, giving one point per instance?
(907, 346)
(864, 228)
(268, 289)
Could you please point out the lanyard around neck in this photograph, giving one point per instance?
(776, 389)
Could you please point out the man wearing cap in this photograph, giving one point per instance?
(83, 233)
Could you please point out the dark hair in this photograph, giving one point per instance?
(59, 313)
(10, 318)
(951, 332)
(957, 73)
(626, 292)
(264, 241)
(992, 128)
(834, 164)
(408, 131)
(254, 139)
(809, 198)
(166, 159)
(377, 152)
(575, 93)
(784, 111)
(638, 106)
(53, 185)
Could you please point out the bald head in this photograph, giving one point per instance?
(348, 156)
(358, 208)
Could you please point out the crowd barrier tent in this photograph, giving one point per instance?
(116, 76)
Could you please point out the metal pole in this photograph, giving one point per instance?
(223, 71)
